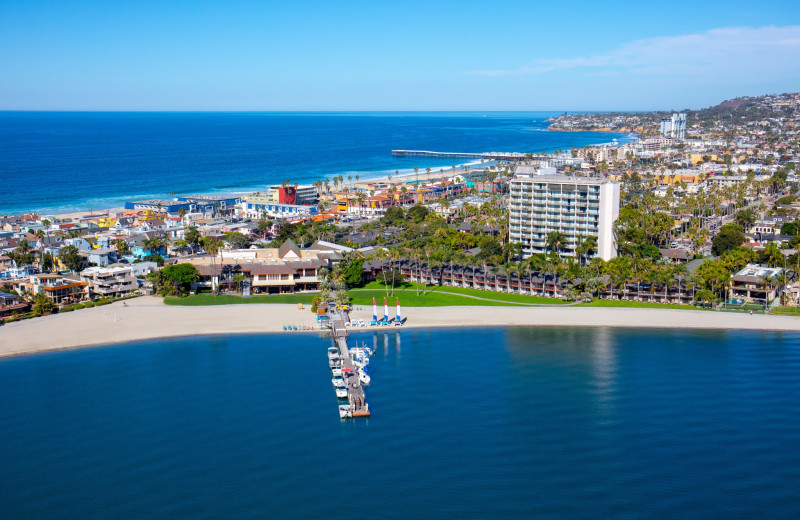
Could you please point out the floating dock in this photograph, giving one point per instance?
(355, 393)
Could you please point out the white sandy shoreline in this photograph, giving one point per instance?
(148, 318)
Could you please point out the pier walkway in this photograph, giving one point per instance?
(355, 393)
(489, 156)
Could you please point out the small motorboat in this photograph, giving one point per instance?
(341, 393)
(338, 382)
(345, 410)
(337, 372)
(364, 378)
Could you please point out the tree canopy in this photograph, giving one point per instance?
(730, 236)
(70, 258)
(176, 279)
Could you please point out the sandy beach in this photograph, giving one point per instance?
(148, 318)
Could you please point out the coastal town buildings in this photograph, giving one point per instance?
(576, 207)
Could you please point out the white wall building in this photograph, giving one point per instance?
(674, 126)
(575, 206)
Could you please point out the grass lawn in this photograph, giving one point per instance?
(434, 296)
(786, 311)
(642, 305)
(452, 295)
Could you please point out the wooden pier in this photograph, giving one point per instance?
(489, 156)
(355, 393)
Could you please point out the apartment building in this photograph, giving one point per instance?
(110, 281)
(674, 126)
(574, 206)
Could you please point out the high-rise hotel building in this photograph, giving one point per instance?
(575, 206)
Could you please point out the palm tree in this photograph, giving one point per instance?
(238, 279)
(395, 256)
(555, 241)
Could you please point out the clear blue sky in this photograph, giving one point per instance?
(487, 55)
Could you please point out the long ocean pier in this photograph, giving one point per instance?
(490, 156)
(357, 402)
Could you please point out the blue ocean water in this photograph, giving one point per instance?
(55, 161)
(473, 423)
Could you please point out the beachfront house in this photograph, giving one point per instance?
(756, 284)
(11, 304)
(109, 281)
(58, 289)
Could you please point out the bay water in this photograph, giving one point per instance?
(503, 422)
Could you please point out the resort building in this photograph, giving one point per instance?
(300, 195)
(192, 204)
(577, 207)
(287, 269)
(110, 281)
(258, 207)
(756, 284)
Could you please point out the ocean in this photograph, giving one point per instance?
(70, 161)
(503, 422)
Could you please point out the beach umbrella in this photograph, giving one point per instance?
(398, 310)
(374, 310)
(385, 310)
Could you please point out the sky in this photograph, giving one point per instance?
(411, 55)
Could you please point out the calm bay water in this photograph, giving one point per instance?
(73, 160)
(474, 423)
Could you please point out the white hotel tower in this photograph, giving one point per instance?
(575, 206)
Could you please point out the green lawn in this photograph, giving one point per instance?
(453, 295)
(644, 305)
(786, 311)
(434, 296)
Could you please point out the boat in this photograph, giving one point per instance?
(335, 363)
(338, 382)
(345, 410)
(341, 393)
(363, 377)
(337, 372)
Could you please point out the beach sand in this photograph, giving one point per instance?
(148, 318)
